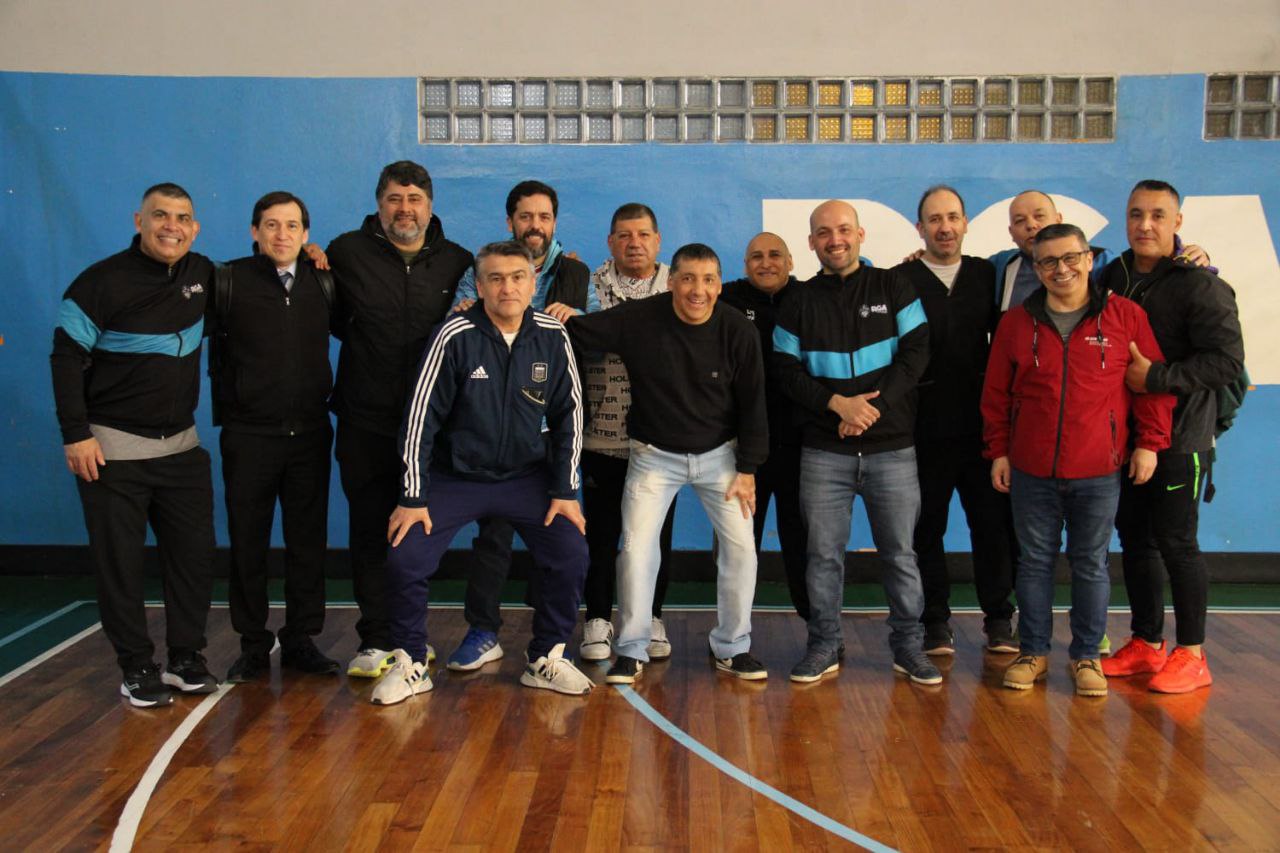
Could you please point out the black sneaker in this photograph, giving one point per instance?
(625, 670)
(1000, 637)
(144, 688)
(938, 639)
(742, 666)
(188, 673)
(814, 665)
(918, 668)
(305, 657)
(250, 666)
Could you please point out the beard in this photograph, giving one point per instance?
(530, 237)
(404, 231)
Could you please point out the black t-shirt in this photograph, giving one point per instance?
(693, 387)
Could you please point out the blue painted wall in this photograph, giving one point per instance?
(75, 152)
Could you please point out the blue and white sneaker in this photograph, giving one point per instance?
(476, 649)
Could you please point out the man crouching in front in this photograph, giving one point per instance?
(473, 447)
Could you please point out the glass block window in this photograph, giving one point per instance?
(502, 94)
(825, 110)
(733, 93)
(1242, 106)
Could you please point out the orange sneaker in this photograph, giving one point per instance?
(1136, 656)
(1183, 673)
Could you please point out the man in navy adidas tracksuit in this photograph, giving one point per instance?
(493, 427)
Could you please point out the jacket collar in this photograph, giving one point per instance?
(372, 227)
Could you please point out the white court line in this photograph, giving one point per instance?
(131, 817)
(22, 632)
(41, 658)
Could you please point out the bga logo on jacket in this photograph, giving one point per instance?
(751, 314)
(1099, 341)
(188, 289)
(539, 371)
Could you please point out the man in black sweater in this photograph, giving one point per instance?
(396, 277)
(697, 417)
(269, 362)
(768, 266)
(126, 379)
(1193, 314)
(958, 295)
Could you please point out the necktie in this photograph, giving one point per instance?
(286, 278)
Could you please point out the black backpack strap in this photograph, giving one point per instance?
(327, 287)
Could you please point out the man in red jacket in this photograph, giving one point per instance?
(1056, 415)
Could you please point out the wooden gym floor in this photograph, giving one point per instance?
(690, 759)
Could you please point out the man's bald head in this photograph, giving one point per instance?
(1030, 211)
(835, 236)
(768, 262)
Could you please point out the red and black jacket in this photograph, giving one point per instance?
(1061, 409)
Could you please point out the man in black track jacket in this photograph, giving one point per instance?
(958, 294)
(850, 345)
(126, 380)
(768, 266)
(1194, 317)
(270, 318)
(396, 277)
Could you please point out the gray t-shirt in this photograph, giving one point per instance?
(1066, 321)
(124, 446)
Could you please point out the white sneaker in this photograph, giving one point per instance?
(659, 645)
(597, 640)
(556, 672)
(404, 679)
(370, 663)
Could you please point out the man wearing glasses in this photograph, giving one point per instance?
(1056, 415)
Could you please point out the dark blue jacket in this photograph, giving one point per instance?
(479, 410)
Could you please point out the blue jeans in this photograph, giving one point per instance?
(887, 481)
(1041, 506)
(653, 478)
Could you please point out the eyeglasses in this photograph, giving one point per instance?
(1051, 264)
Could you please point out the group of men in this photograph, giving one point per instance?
(497, 388)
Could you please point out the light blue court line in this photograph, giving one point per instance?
(715, 760)
(40, 623)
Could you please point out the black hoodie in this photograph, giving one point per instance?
(385, 311)
(1193, 314)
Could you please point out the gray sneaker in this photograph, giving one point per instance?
(814, 665)
(917, 667)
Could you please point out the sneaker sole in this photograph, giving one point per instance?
(144, 703)
(1002, 648)
(917, 679)
(376, 701)
(356, 672)
(808, 679)
(177, 683)
(528, 679)
(660, 652)
(1191, 689)
(940, 650)
(1022, 685)
(621, 679)
(1092, 693)
(488, 656)
(595, 651)
(745, 676)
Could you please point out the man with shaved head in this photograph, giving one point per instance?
(958, 294)
(849, 347)
(768, 267)
(1030, 211)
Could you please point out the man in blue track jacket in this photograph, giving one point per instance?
(493, 427)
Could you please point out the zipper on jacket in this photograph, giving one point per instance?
(1062, 408)
(1115, 455)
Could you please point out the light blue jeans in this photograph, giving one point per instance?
(653, 478)
(888, 483)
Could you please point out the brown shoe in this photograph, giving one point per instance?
(1089, 678)
(1025, 671)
